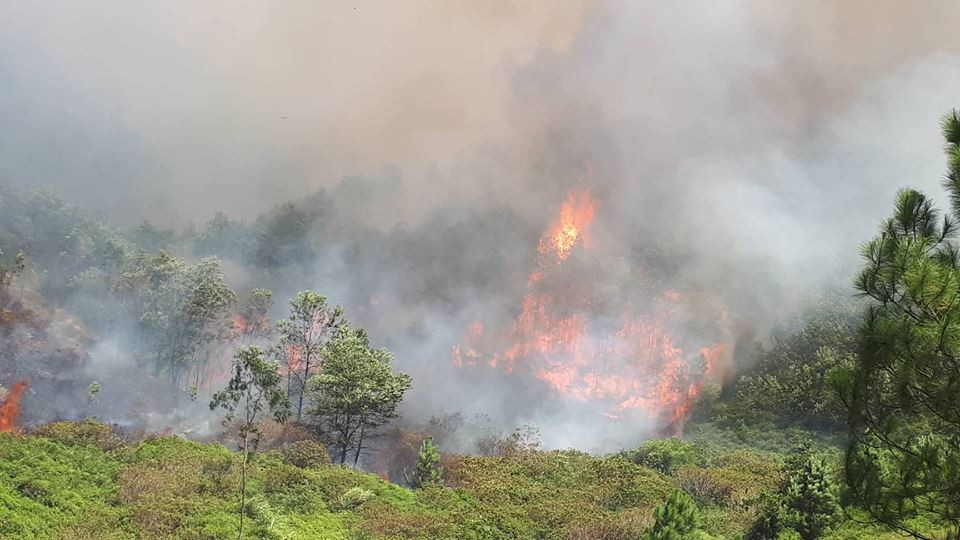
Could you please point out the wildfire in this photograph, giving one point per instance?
(635, 364)
(571, 227)
(10, 408)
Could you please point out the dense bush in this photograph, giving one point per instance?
(667, 455)
(306, 454)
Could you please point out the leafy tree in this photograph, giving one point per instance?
(255, 387)
(903, 396)
(152, 238)
(355, 392)
(177, 305)
(677, 519)
(428, 472)
(224, 237)
(254, 314)
(281, 237)
(302, 337)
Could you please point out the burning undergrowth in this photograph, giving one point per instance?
(592, 330)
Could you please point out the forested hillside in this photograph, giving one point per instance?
(841, 424)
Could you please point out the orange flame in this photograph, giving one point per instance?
(294, 358)
(638, 366)
(10, 408)
(571, 227)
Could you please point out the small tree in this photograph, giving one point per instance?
(302, 338)
(429, 471)
(677, 519)
(355, 393)
(811, 499)
(807, 503)
(254, 321)
(254, 387)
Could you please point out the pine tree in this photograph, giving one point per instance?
(810, 499)
(903, 394)
(678, 519)
(428, 471)
(807, 503)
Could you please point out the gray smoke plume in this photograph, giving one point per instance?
(760, 142)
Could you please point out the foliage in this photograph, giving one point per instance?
(47, 485)
(677, 519)
(355, 393)
(789, 383)
(170, 487)
(177, 305)
(87, 432)
(667, 455)
(903, 396)
(306, 454)
(303, 335)
(811, 499)
(10, 271)
(255, 386)
(353, 497)
(428, 471)
(807, 503)
(254, 313)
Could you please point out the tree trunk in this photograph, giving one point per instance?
(356, 457)
(243, 485)
(303, 385)
(344, 446)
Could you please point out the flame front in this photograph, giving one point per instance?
(629, 363)
(10, 408)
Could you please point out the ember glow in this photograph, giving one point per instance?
(10, 408)
(632, 363)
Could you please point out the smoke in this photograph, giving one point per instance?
(759, 143)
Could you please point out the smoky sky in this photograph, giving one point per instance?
(765, 138)
(768, 126)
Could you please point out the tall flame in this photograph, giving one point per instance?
(634, 365)
(10, 408)
(571, 227)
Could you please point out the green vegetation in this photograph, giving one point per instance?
(253, 388)
(903, 396)
(764, 458)
(80, 480)
(355, 393)
(428, 471)
(677, 519)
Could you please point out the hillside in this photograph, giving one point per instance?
(82, 481)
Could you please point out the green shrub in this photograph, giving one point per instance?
(87, 432)
(667, 455)
(353, 497)
(306, 454)
(677, 519)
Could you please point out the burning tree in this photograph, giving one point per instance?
(303, 336)
(253, 322)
